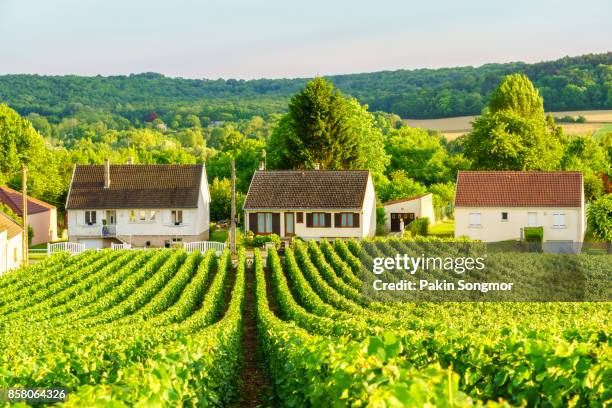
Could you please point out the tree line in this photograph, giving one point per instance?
(570, 83)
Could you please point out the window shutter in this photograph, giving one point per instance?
(337, 220)
(167, 217)
(309, 220)
(94, 217)
(328, 219)
(276, 223)
(356, 220)
(80, 217)
(299, 217)
(253, 222)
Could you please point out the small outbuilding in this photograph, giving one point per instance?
(42, 217)
(408, 209)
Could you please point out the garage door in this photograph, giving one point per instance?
(92, 243)
(396, 217)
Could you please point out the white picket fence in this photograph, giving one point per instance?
(72, 247)
(121, 246)
(204, 246)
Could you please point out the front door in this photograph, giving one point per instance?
(289, 224)
(111, 217)
(396, 217)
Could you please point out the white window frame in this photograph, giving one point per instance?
(559, 220)
(177, 218)
(88, 214)
(471, 219)
(507, 216)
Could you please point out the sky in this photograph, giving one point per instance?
(286, 39)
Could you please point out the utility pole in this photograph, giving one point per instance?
(233, 211)
(24, 216)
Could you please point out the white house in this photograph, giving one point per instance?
(408, 209)
(144, 205)
(42, 217)
(311, 204)
(496, 205)
(11, 241)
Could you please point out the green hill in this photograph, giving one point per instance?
(570, 83)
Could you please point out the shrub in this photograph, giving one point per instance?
(420, 226)
(259, 240)
(381, 219)
(534, 234)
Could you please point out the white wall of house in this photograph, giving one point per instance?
(161, 224)
(369, 210)
(10, 252)
(302, 231)
(560, 224)
(3, 254)
(421, 207)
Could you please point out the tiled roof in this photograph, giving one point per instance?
(11, 227)
(13, 198)
(136, 186)
(403, 200)
(308, 189)
(519, 189)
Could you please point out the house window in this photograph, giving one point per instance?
(90, 217)
(177, 217)
(347, 220)
(143, 215)
(504, 216)
(177, 240)
(132, 215)
(318, 220)
(152, 215)
(558, 220)
(475, 220)
(299, 217)
(264, 223)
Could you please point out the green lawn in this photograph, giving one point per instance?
(602, 131)
(219, 235)
(445, 228)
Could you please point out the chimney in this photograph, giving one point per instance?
(130, 160)
(262, 165)
(106, 173)
(317, 166)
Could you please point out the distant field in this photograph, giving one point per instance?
(460, 125)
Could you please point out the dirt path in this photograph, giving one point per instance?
(254, 384)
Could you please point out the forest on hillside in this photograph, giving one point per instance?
(570, 83)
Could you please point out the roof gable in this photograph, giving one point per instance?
(13, 199)
(308, 189)
(519, 189)
(9, 225)
(136, 186)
